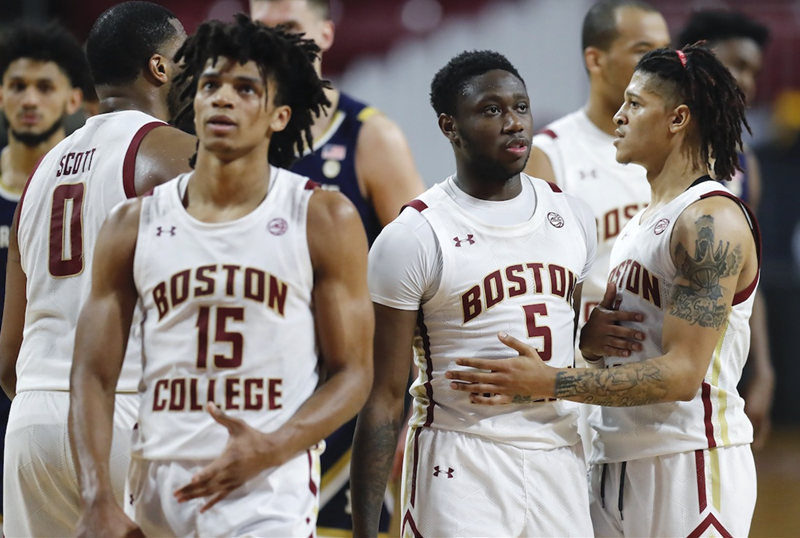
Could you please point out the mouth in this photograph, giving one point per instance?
(220, 124)
(517, 146)
(29, 119)
(619, 135)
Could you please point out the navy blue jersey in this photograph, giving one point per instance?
(333, 160)
(8, 203)
(739, 183)
(333, 164)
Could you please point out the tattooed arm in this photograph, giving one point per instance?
(714, 251)
(381, 418)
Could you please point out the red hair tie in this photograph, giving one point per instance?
(681, 57)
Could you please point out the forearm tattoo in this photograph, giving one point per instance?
(370, 477)
(630, 384)
(700, 302)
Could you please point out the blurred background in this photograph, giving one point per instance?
(387, 51)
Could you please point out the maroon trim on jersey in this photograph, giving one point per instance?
(311, 185)
(129, 163)
(745, 294)
(408, 518)
(415, 466)
(554, 187)
(419, 205)
(311, 484)
(549, 132)
(705, 391)
(426, 346)
(25, 191)
(700, 464)
(710, 521)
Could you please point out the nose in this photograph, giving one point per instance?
(513, 123)
(619, 118)
(30, 97)
(223, 96)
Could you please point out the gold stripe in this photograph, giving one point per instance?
(366, 113)
(716, 497)
(336, 468)
(721, 394)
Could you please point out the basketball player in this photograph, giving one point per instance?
(739, 44)
(118, 154)
(362, 153)
(42, 69)
(250, 277)
(480, 252)
(672, 447)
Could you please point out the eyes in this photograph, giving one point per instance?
(245, 88)
(44, 87)
(521, 107)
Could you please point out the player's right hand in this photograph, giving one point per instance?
(602, 336)
(107, 519)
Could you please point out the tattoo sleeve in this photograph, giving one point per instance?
(621, 386)
(699, 300)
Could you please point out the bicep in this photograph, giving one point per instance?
(15, 303)
(393, 353)
(386, 168)
(342, 309)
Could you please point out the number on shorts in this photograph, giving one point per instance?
(534, 330)
(66, 230)
(222, 334)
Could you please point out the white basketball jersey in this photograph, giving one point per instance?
(228, 318)
(519, 279)
(584, 163)
(65, 203)
(643, 271)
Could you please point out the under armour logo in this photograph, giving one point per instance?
(160, 230)
(449, 471)
(591, 173)
(469, 240)
(130, 497)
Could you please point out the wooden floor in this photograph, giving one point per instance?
(778, 467)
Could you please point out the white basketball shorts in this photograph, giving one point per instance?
(40, 486)
(282, 501)
(455, 484)
(702, 493)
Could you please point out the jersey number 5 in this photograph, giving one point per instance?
(221, 334)
(66, 230)
(534, 330)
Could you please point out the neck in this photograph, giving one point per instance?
(324, 120)
(482, 186)
(671, 177)
(116, 98)
(231, 187)
(18, 160)
(601, 112)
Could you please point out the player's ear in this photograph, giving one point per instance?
(157, 70)
(327, 32)
(280, 118)
(593, 59)
(447, 124)
(75, 100)
(681, 116)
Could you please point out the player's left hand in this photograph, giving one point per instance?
(519, 379)
(246, 454)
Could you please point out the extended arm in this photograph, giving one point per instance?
(381, 418)
(385, 167)
(100, 341)
(344, 324)
(13, 314)
(715, 256)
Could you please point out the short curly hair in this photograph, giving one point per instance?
(286, 57)
(451, 79)
(46, 43)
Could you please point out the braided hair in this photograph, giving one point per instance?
(695, 77)
(286, 57)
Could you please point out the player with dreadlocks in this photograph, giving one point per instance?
(672, 453)
(245, 272)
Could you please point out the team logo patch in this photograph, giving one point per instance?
(467, 240)
(555, 219)
(660, 226)
(278, 226)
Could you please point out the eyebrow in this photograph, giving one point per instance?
(238, 78)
